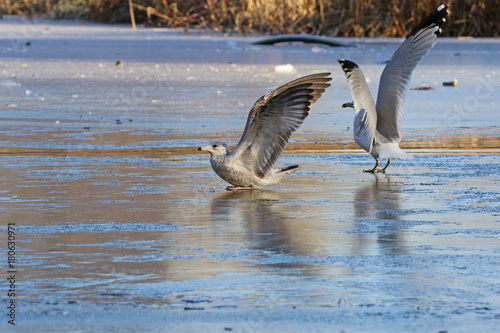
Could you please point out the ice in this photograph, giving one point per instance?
(288, 68)
(6, 83)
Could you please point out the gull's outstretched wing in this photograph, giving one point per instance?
(397, 73)
(365, 121)
(273, 119)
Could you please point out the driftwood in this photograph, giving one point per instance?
(310, 39)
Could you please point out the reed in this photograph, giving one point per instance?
(353, 18)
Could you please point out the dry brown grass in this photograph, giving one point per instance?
(358, 18)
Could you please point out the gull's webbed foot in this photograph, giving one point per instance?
(374, 170)
(239, 188)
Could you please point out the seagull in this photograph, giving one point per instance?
(271, 122)
(377, 126)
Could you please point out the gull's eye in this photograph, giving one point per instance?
(215, 146)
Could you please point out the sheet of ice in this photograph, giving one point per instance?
(158, 241)
(171, 84)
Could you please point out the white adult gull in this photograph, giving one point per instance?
(377, 126)
(271, 122)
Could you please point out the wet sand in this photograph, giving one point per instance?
(123, 226)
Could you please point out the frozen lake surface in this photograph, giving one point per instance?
(122, 226)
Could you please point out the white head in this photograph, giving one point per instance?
(217, 150)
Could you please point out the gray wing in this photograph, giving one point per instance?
(397, 73)
(273, 119)
(365, 120)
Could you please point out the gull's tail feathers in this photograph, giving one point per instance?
(289, 169)
(392, 150)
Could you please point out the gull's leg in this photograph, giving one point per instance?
(388, 162)
(374, 170)
(238, 188)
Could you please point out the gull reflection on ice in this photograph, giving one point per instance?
(261, 213)
(376, 206)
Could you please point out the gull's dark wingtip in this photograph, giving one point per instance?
(347, 65)
(436, 18)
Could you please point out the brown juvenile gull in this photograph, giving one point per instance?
(377, 127)
(271, 122)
